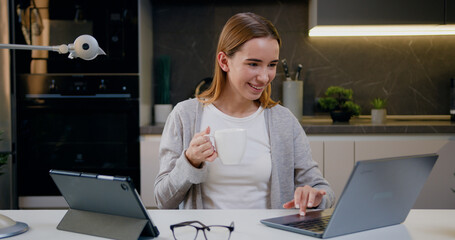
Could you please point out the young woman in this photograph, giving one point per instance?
(277, 169)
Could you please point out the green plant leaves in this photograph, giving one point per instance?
(339, 92)
(379, 103)
(328, 103)
(351, 107)
(339, 98)
(163, 79)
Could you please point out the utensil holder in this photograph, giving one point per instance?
(293, 97)
(162, 111)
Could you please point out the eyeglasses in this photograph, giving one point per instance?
(187, 230)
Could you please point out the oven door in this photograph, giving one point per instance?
(97, 135)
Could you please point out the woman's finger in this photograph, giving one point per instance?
(311, 198)
(289, 204)
(304, 201)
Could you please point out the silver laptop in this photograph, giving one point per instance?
(378, 193)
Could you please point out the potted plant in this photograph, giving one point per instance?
(163, 105)
(378, 112)
(338, 101)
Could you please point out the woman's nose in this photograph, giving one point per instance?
(263, 75)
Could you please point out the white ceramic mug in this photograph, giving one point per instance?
(230, 144)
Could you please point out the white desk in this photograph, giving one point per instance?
(420, 224)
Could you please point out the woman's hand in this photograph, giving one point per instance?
(201, 149)
(305, 197)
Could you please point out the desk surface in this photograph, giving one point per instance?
(420, 224)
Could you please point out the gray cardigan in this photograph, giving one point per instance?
(178, 183)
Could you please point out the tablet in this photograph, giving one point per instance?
(100, 197)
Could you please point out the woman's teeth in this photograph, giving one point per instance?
(258, 88)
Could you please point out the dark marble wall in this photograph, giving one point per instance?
(412, 73)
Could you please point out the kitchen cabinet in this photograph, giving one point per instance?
(450, 12)
(376, 12)
(438, 183)
(150, 165)
(373, 149)
(317, 151)
(341, 153)
(338, 163)
(336, 156)
(5, 185)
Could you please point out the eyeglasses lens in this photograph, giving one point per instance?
(214, 232)
(185, 233)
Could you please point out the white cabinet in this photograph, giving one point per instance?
(338, 163)
(336, 156)
(150, 166)
(371, 149)
(317, 152)
(436, 192)
(341, 152)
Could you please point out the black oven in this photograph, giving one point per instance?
(87, 123)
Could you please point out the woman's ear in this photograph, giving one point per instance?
(223, 61)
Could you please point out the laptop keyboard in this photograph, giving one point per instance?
(315, 225)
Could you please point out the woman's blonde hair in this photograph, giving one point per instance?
(239, 29)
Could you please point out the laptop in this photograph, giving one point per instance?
(101, 205)
(378, 193)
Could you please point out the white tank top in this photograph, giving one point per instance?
(242, 186)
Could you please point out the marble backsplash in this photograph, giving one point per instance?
(412, 73)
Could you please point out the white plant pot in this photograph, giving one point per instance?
(162, 111)
(378, 116)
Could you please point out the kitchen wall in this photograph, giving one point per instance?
(412, 73)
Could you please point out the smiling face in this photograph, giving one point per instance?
(250, 69)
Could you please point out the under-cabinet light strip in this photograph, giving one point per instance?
(382, 30)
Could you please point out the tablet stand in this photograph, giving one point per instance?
(102, 225)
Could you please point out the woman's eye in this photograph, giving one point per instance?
(253, 64)
(272, 65)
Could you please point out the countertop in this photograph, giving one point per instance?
(362, 125)
(435, 224)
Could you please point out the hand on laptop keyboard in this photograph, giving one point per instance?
(305, 197)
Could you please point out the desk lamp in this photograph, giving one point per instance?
(85, 47)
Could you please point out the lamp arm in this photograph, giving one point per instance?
(85, 47)
(60, 49)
